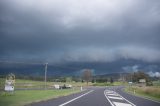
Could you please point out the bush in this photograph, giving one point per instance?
(149, 84)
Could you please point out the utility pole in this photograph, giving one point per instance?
(45, 77)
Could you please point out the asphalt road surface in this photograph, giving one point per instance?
(99, 96)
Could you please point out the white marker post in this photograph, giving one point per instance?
(81, 88)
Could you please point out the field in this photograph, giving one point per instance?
(156, 83)
(109, 84)
(20, 98)
(152, 92)
(28, 91)
(31, 84)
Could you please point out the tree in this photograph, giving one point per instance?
(93, 81)
(102, 80)
(87, 75)
(111, 80)
(68, 79)
(140, 75)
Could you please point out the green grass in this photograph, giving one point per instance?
(20, 98)
(149, 92)
(156, 83)
(21, 83)
(102, 84)
(109, 84)
(118, 83)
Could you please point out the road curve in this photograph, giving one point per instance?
(99, 96)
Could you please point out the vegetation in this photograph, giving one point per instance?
(29, 84)
(87, 75)
(136, 76)
(20, 98)
(49, 78)
(103, 84)
(108, 83)
(156, 83)
(25, 96)
(152, 92)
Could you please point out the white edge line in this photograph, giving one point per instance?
(108, 98)
(75, 98)
(126, 99)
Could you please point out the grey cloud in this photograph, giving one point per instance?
(151, 69)
(133, 68)
(110, 54)
(78, 30)
(154, 74)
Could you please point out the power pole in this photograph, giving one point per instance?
(45, 77)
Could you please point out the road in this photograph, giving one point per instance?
(99, 96)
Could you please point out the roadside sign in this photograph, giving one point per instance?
(9, 83)
(9, 88)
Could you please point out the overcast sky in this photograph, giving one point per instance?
(80, 30)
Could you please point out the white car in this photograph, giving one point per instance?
(56, 86)
(68, 86)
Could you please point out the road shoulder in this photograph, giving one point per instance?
(140, 96)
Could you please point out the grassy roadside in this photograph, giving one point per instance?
(109, 84)
(20, 98)
(29, 84)
(146, 92)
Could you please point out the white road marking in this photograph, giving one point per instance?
(119, 97)
(76, 98)
(112, 94)
(108, 98)
(128, 101)
(121, 104)
(109, 92)
(113, 97)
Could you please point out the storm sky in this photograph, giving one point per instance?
(66, 31)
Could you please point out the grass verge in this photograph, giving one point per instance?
(152, 92)
(31, 84)
(109, 84)
(20, 98)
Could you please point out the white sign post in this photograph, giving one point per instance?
(9, 88)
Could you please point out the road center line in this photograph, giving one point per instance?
(76, 98)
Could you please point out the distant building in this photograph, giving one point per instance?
(142, 82)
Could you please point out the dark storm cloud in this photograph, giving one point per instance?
(79, 30)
